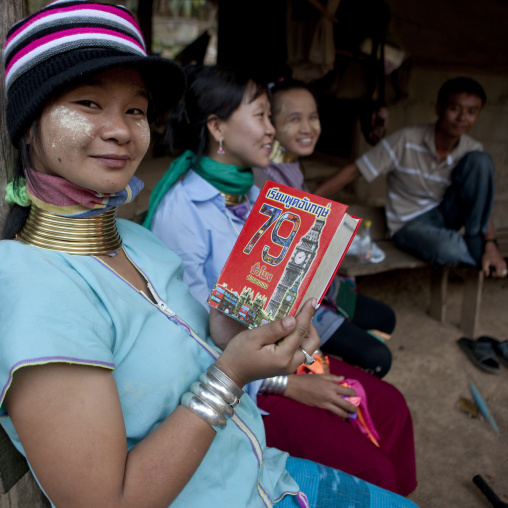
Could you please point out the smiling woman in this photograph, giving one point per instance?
(297, 119)
(226, 130)
(77, 373)
(96, 134)
(247, 133)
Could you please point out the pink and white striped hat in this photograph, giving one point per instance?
(69, 40)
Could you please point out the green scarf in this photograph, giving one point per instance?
(16, 195)
(224, 177)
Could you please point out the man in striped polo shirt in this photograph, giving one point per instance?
(439, 180)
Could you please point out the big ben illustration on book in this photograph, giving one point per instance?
(298, 265)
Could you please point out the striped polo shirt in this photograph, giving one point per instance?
(416, 178)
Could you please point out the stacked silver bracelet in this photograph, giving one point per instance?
(213, 397)
(274, 385)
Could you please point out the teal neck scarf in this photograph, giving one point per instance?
(226, 178)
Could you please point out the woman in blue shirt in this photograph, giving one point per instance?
(224, 122)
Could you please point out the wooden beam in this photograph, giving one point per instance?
(10, 12)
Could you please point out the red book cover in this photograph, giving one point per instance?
(287, 252)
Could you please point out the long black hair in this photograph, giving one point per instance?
(18, 214)
(211, 91)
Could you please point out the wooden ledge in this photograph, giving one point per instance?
(395, 260)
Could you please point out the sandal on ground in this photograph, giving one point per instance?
(500, 348)
(481, 354)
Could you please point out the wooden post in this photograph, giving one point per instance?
(10, 12)
(471, 301)
(438, 289)
(17, 486)
(12, 465)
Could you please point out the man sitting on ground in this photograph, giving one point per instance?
(439, 180)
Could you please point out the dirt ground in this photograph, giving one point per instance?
(433, 374)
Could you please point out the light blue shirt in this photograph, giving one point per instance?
(56, 307)
(193, 221)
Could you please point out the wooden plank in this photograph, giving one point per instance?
(12, 464)
(395, 260)
(25, 494)
(18, 488)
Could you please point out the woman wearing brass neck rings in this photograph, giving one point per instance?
(110, 384)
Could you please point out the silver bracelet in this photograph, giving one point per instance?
(220, 376)
(212, 399)
(207, 413)
(274, 385)
(220, 389)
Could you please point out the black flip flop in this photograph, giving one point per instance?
(481, 354)
(500, 348)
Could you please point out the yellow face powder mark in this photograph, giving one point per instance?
(315, 123)
(144, 131)
(289, 128)
(75, 128)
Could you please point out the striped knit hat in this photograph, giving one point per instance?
(69, 40)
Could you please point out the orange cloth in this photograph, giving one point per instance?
(320, 366)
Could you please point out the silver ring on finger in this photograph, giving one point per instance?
(309, 359)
